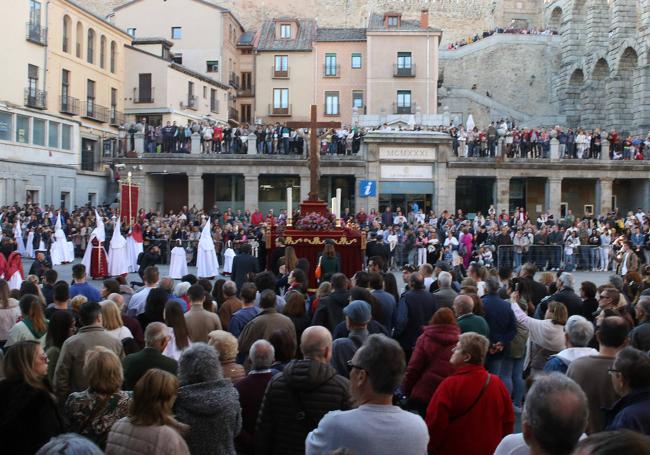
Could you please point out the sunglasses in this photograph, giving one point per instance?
(613, 371)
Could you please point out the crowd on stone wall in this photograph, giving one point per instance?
(253, 362)
(511, 30)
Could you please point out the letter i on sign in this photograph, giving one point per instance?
(367, 189)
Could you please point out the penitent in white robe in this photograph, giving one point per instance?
(178, 263)
(20, 242)
(29, 248)
(206, 256)
(118, 263)
(228, 257)
(60, 250)
(133, 250)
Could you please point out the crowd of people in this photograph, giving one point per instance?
(511, 30)
(252, 361)
(535, 143)
(219, 138)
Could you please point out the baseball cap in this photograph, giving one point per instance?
(358, 311)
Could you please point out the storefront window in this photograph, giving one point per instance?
(39, 132)
(66, 132)
(5, 126)
(22, 129)
(53, 135)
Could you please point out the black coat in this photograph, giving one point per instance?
(294, 403)
(567, 296)
(329, 311)
(28, 417)
(276, 254)
(242, 265)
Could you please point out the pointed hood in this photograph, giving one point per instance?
(17, 229)
(205, 242)
(118, 240)
(99, 231)
(58, 226)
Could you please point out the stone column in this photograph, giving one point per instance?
(604, 150)
(503, 194)
(139, 142)
(251, 144)
(196, 144)
(304, 188)
(251, 192)
(553, 196)
(604, 196)
(144, 194)
(195, 190)
(555, 149)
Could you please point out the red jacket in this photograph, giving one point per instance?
(429, 364)
(492, 415)
(257, 218)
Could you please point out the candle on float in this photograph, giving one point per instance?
(334, 205)
(338, 203)
(289, 202)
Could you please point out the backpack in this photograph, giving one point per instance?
(462, 249)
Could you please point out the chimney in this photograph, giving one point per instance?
(424, 18)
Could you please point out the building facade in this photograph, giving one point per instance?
(185, 24)
(160, 91)
(60, 103)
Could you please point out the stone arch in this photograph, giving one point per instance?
(555, 21)
(628, 61)
(620, 91)
(601, 70)
(574, 91)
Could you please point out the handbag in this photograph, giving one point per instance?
(317, 272)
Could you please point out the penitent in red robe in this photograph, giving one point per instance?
(98, 263)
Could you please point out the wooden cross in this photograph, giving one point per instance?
(314, 153)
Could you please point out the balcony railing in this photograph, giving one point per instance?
(214, 106)
(360, 110)
(143, 96)
(279, 111)
(35, 98)
(192, 102)
(96, 112)
(333, 110)
(404, 71)
(331, 70)
(233, 80)
(36, 33)
(280, 73)
(233, 114)
(69, 105)
(246, 91)
(117, 117)
(399, 109)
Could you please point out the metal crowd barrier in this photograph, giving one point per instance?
(544, 256)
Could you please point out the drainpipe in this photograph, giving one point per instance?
(47, 8)
(428, 71)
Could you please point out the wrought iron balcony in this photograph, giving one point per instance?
(233, 81)
(233, 114)
(192, 102)
(117, 117)
(280, 73)
(331, 70)
(279, 111)
(246, 91)
(143, 96)
(35, 98)
(36, 33)
(400, 109)
(96, 112)
(69, 105)
(404, 71)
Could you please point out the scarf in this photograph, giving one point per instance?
(38, 335)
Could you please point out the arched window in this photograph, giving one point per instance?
(102, 52)
(79, 40)
(66, 33)
(113, 56)
(90, 46)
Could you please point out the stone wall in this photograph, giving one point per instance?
(501, 76)
(457, 18)
(604, 76)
